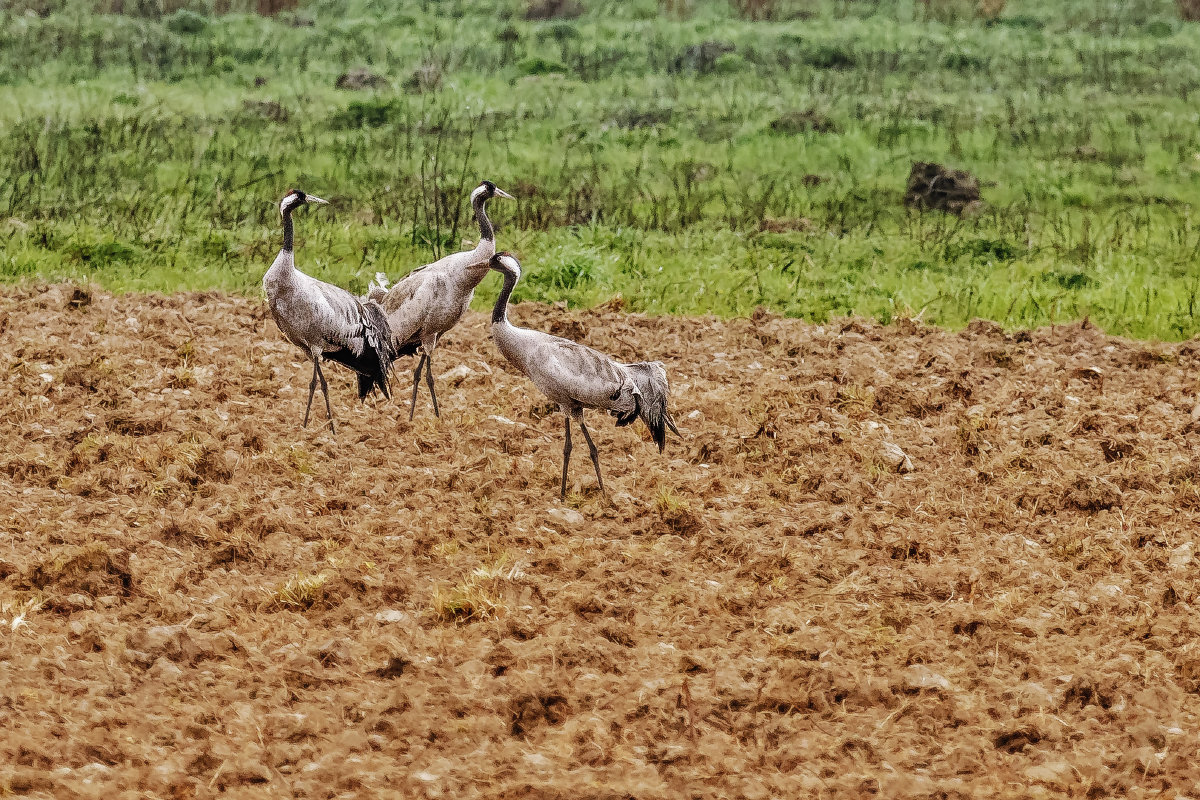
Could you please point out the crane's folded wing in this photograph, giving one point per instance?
(565, 369)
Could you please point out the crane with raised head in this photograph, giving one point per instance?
(430, 300)
(576, 377)
(326, 321)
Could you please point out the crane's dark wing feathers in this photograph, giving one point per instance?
(374, 363)
(627, 418)
(651, 380)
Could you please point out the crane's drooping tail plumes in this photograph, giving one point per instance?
(374, 363)
(651, 380)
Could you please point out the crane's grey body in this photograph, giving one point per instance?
(431, 300)
(571, 374)
(576, 377)
(326, 321)
(313, 315)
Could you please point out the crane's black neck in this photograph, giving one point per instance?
(500, 311)
(287, 230)
(486, 232)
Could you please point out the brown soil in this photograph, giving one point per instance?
(198, 596)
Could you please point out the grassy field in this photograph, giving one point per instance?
(646, 145)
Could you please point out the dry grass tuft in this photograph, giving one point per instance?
(469, 601)
(301, 591)
(301, 460)
(479, 596)
(855, 400)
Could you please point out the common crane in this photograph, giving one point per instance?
(577, 377)
(326, 321)
(430, 300)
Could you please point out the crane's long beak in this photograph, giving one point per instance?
(502, 193)
(312, 198)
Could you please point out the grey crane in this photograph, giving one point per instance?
(577, 377)
(326, 321)
(430, 300)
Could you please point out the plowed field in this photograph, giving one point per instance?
(887, 560)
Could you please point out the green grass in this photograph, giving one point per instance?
(145, 157)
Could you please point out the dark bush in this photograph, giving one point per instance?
(830, 56)
(798, 122)
(631, 118)
(1071, 279)
(542, 66)
(984, 250)
(961, 61)
(360, 78)
(701, 58)
(365, 113)
(184, 21)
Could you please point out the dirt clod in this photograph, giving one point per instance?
(932, 186)
(93, 568)
(534, 710)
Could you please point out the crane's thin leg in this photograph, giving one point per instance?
(325, 391)
(429, 380)
(416, 385)
(595, 455)
(312, 388)
(562, 495)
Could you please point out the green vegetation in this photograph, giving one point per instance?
(688, 158)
